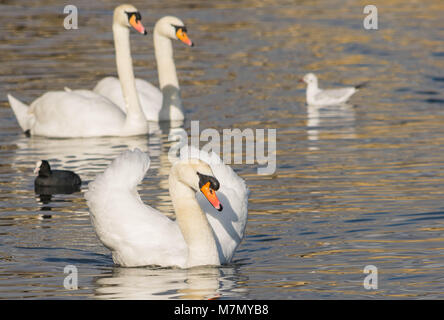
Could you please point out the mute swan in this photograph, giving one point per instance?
(326, 97)
(163, 104)
(83, 113)
(207, 230)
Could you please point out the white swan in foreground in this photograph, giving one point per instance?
(209, 198)
(163, 104)
(83, 113)
(326, 97)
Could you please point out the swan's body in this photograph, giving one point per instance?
(83, 113)
(139, 235)
(326, 97)
(150, 97)
(157, 105)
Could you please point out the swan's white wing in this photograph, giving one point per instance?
(151, 94)
(75, 114)
(229, 224)
(110, 88)
(87, 94)
(150, 97)
(136, 234)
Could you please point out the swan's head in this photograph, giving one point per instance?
(42, 168)
(310, 78)
(198, 175)
(128, 16)
(173, 28)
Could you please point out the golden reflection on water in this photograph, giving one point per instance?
(356, 185)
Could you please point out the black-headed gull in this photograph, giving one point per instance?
(326, 97)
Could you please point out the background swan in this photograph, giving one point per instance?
(163, 104)
(209, 225)
(83, 113)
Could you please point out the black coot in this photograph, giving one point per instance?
(55, 181)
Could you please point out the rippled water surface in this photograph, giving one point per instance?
(357, 185)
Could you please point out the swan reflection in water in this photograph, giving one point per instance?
(85, 156)
(169, 283)
(335, 122)
(88, 156)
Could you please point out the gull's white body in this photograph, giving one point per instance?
(157, 104)
(325, 97)
(83, 113)
(139, 235)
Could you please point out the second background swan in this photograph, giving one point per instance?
(166, 103)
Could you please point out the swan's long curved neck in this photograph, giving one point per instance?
(126, 75)
(169, 84)
(194, 225)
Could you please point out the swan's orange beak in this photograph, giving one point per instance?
(210, 194)
(182, 36)
(137, 24)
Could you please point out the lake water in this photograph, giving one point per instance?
(357, 185)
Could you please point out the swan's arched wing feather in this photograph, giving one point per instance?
(124, 224)
(229, 224)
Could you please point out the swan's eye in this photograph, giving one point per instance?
(134, 19)
(211, 196)
(136, 14)
(204, 179)
(178, 28)
(181, 34)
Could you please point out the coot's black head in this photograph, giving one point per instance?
(42, 168)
